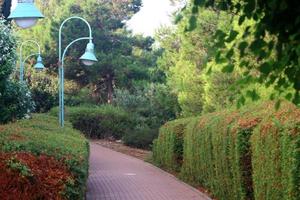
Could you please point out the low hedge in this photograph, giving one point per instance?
(98, 121)
(42, 135)
(246, 154)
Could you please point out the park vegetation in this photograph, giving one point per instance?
(218, 92)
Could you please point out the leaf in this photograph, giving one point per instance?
(265, 68)
(242, 46)
(232, 36)
(241, 101)
(192, 23)
(257, 45)
(228, 68)
(253, 95)
(289, 96)
(209, 71)
(277, 104)
(229, 54)
(242, 19)
(195, 9)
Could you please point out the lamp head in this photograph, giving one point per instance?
(25, 15)
(39, 64)
(89, 58)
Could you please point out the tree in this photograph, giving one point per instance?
(186, 54)
(272, 38)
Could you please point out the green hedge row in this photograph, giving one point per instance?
(168, 147)
(42, 135)
(98, 121)
(247, 154)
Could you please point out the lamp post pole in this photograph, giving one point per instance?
(23, 62)
(61, 56)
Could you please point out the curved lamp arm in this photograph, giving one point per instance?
(34, 54)
(22, 64)
(66, 49)
(60, 31)
(21, 59)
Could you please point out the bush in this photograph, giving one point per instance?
(275, 146)
(15, 98)
(98, 121)
(44, 89)
(41, 135)
(15, 101)
(140, 137)
(247, 154)
(168, 148)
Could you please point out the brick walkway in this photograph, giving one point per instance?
(115, 176)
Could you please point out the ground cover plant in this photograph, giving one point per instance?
(40, 160)
(251, 153)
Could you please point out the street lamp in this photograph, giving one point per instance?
(25, 14)
(88, 58)
(39, 64)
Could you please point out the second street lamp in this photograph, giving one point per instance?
(88, 58)
(38, 66)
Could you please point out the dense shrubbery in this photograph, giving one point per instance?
(15, 99)
(247, 154)
(150, 107)
(99, 121)
(40, 136)
(15, 102)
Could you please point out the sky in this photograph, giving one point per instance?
(153, 14)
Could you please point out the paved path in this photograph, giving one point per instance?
(115, 176)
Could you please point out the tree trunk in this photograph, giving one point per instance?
(109, 84)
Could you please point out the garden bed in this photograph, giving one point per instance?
(40, 160)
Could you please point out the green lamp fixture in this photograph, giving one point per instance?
(89, 58)
(25, 14)
(39, 66)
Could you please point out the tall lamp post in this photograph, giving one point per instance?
(88, 58)
(25, 14)
(38, 66)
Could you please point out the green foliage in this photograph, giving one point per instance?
(14, 164)
(141, 136)
(251, 153)
(150, 107)
(15, 101)
(44, 89)
(268, 31)
(42, 135)
(168, 147)
(275, 150)
(186, 54)
(98, 121)
(15, 98)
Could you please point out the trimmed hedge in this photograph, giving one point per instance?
(168, 147)
(42, 135)
(98, 121)
(247, 154)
